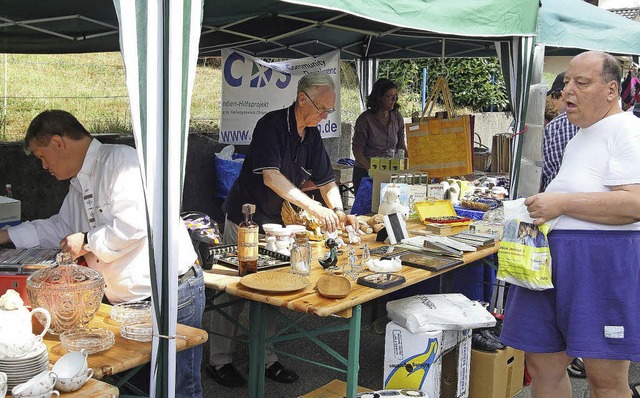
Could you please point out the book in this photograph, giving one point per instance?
(416, 194)
(428, 262)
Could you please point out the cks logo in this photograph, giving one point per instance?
(260, 75)
(413, 371)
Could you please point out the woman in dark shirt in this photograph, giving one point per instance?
(378, 129)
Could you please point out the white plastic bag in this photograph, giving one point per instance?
(426, 312)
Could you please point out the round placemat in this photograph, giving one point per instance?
(274, 282)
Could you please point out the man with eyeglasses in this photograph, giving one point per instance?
(286, 150)
(557, 134)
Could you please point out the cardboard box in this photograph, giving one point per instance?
(435, 362)
(381, 176)
(9, 211)
(496, 374)
(335, 389)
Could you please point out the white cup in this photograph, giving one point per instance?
(40, 384)
(3, 384)
(18, 345)
(73, 383)
(269, 228)
(72, 364)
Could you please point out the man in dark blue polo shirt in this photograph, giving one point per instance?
(286, 150)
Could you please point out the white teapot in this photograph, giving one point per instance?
(15, 324)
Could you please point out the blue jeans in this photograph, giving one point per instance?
(190, 308)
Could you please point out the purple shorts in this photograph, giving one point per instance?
(593, 311)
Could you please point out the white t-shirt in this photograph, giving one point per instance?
(598, 157)
(117, 231)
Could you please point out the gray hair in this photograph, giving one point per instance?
(314, 80)
(611, 70)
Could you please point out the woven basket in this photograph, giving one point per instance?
(481, 155)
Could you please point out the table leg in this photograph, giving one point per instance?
(257, 338)
(353, 359)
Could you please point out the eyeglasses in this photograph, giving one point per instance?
(320, 110)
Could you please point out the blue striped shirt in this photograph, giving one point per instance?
(557, 134)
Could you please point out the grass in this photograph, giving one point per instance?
(93, 88)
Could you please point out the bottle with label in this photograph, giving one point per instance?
(248, 242)
(8, 191)
(301, 255)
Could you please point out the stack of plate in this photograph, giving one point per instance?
(20, 370)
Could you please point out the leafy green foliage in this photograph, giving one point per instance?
(470, 81)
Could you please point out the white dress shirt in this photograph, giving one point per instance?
(106, 200)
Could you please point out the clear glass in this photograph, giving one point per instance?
(351, 268)
(136, 329)
(131, 310)
(91, 339)
(301, 255)
(72, 294)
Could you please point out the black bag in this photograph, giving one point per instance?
(204, 233)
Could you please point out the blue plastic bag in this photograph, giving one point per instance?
(227, 171)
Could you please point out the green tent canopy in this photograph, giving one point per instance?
(159, 42)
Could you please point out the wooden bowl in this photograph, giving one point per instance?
(333, 286)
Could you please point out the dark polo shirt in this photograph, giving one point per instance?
(276, 145)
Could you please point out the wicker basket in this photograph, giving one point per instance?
(481, 155)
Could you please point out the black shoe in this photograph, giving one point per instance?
(488, 333)
(227, 375)
(485, 341)
(635, 390)
(280, 374)
(576, 368)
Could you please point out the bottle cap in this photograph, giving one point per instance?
(248, 208)
(302, 237)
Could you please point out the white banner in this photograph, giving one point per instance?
(252, 87)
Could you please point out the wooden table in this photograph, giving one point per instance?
(92, 388)
(125, 354)
(309, 301)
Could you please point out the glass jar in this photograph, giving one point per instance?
(301, 255)
(72, 294)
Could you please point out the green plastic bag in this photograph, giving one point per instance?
(524, 258)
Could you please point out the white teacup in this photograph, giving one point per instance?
(72, 364)
(40, 384)
(3, 384)
(269, 228)
(69, 384)
(16, 346)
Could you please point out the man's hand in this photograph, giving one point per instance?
(74, 244)
(347, 220)
(4, 237)
(543, 207)
(330, 220)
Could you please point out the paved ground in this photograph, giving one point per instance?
(312, 377)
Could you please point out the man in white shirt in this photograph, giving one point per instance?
(594, 200)
(103, 219)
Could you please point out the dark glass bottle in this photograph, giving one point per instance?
(248, 242)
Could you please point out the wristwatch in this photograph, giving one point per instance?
(338, 208)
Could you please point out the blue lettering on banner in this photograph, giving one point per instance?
(327, 127)
(228, 77)
(260, 75)
(235, 135)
